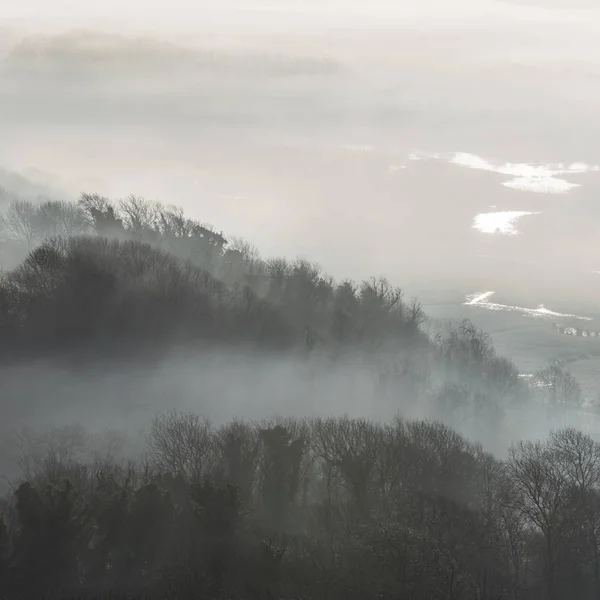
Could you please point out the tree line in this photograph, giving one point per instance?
(323, 508)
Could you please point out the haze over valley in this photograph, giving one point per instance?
(295, 296)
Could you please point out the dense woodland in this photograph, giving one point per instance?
(317, 508)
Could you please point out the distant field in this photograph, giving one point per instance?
(587, 372)
(530, 342)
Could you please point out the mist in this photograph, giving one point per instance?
(286, 286)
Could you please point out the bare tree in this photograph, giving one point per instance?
(352, 447)
(180, 443)
(171, 222)
(558, 388)
(238, 446)
(30, 223)
(578, 456)
(20, 222)
(101, 215)
(52, 454)
(61, 219)
(139, 215)
(541, 495)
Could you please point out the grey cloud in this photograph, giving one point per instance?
(91, 54)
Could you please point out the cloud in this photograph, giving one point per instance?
(500, 222)
(88, 54)
(529, 177)
(567, 4)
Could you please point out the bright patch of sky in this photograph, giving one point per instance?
(527, 176)
(500, 222)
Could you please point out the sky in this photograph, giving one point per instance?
(190, 15)
(255, 116)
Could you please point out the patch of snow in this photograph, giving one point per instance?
(481, 299)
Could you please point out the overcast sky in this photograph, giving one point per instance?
(191, 14)
(238, 129)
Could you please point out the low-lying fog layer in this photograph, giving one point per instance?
(222, 385)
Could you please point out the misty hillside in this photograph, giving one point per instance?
(132, 283)
(182, 418)
(94, 265)
(359, 360)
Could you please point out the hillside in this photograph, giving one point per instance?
(183, 419)
(132, 281)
